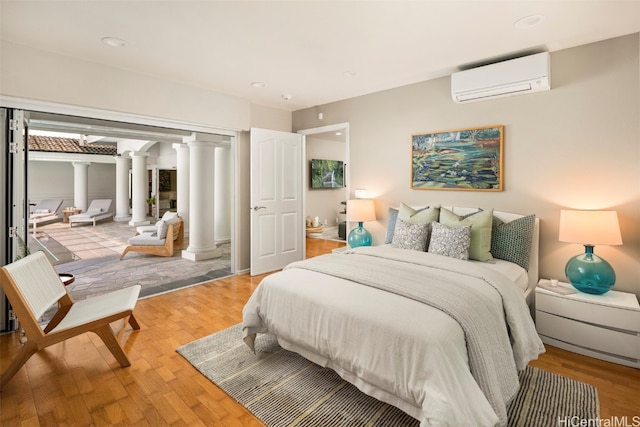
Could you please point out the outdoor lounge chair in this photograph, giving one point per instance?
(163, 242)
(32, 286)
(45, 210)
(97, 210)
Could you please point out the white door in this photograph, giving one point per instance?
(277, 225)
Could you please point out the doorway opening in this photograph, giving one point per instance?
(91, 253)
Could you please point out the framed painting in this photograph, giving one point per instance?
(465, 159)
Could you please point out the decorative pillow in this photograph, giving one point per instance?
(450, 241)
(162, 228)
(511, 241)
(42, 211)
(481, 224)
(421, 216)
(392, 217)
(170, 217)
(410, 236)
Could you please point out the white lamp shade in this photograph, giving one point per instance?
(590, 227)
(361, 210)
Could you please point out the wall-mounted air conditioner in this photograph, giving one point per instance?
(513, 77)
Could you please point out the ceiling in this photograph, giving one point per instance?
(311, 52)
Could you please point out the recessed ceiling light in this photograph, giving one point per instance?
(114, 42)
(528, 21)
(348, 74)
(338, 133)
(286, 97)
(258, 84)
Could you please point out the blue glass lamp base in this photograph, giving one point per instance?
(359, 237)
(589, 273)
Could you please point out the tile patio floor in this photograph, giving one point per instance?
(92, 255)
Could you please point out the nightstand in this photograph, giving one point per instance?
(604, 326)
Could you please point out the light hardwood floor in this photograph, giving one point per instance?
(79, 383)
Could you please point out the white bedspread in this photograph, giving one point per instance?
(396, 349)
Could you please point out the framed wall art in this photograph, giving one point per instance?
(465, 159)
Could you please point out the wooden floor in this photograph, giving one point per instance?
(79, 383)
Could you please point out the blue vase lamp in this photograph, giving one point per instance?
(588, 272)
(360, 210)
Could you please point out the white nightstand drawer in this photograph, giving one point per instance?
(588, 311)
(588, 335)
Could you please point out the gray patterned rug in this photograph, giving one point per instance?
(282, 388)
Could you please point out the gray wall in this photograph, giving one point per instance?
(574, 147)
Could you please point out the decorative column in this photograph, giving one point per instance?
(81, 185)
(122, 189)
(201, 200)
(140, 188)
(222, 194)
(182, 183)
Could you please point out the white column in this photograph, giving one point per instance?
(201, 200)
(182, 183)
(222, 195)
(81, 185)
(122, 189)
(139, 186)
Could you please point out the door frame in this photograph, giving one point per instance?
(97, 113)
(345, 127)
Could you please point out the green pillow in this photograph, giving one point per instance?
(421, 216)
(481, 223)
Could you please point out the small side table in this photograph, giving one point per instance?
(603, 326)
(67, 212)
(67, 278)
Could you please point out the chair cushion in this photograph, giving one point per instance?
(162, 228)
(170, 217)
(146, 239)
(146, 229)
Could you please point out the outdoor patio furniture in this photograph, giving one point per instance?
(97, 210)
(32, 285)
(163, 242)
(167, 217)
(45, 210)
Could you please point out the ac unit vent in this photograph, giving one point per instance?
(518, 76)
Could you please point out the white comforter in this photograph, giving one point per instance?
(396, 349)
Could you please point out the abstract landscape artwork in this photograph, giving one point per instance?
(465, 159)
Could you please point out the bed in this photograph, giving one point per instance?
(439, 337)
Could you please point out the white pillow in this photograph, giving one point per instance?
(162, 228)
(170, 217)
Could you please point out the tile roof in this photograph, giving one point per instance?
(68, 145)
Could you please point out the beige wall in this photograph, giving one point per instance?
(35, 74)
(576, 146)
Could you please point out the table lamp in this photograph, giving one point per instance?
(360, 210)
(588, 272)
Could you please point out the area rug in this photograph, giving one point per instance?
(282, 388)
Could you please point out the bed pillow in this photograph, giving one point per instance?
(511, 241)
(481, 224)
(450, 241)
(420, 216)
(410, 236)
(392, 218)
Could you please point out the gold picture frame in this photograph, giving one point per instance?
(463, 159)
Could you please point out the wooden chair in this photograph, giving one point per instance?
(155, 245)
(32, 286)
